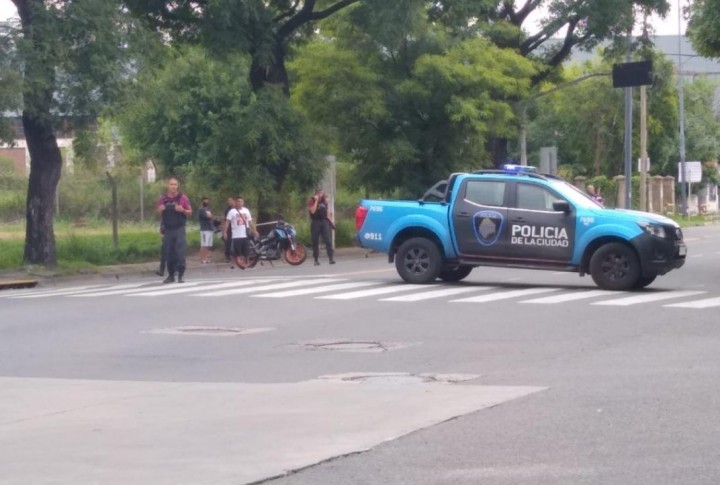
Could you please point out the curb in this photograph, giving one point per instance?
(14, 284)
(13, 280)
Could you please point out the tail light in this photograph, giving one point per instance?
(360, 215)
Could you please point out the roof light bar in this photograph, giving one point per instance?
(514, 168)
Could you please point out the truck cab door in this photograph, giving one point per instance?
(538, 232)
(479, 219)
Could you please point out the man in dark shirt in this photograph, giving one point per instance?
(320, 225)
(174, 208)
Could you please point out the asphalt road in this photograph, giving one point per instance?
(510, 377)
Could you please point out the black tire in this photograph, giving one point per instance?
(615, 266)
(456, 273)
(644, 281)
(296, 257)
(418, 261)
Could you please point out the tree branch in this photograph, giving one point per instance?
(306, 15)
(287, 14)
(331, 10)
(526, 10)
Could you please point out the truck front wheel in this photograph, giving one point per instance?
(615, 266)
(455, 273)
(418, 261)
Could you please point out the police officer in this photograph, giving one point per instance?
(174, 208)
(320, 224)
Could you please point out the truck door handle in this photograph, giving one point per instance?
(518, 219)
(463, 214)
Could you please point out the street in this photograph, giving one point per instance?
(344, 374)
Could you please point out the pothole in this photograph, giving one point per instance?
(400, 377)
(208, 331)
(347, 345)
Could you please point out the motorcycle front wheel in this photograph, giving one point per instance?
(296, 257)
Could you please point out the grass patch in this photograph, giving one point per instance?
(695, 220)
(78, 251)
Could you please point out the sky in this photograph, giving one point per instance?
(667, 26)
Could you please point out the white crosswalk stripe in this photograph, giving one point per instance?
(658, 296)
(326, 287)
(374, 292)
(45, 291)
(95, 294)
(277, 286)
(577, 295)
(317, 289)
(707, 303)
(504, 295)
(179, 289)
(75, 291)
(427, 295)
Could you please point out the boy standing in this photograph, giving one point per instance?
(206, 230)
(239, 223)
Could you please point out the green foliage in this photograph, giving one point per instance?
(198, 115)
(704, 27)
(585, 120)
(408, 111)
(702, 135)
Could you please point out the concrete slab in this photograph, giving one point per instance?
(118, 432)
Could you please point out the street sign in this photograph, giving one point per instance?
(647, 164)
(693, 172)
(631, 74)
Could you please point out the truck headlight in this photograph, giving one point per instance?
(653, 229)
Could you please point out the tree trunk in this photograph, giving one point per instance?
(598, 152)
(498, 150)
(45, 168)
(273, 72)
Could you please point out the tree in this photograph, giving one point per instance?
(404, 105)
(199, 114)
(264, 29)
(702, 120)
(585, 120)
(704, 27)
(70, 52)
(578, 24)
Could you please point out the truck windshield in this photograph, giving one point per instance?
(574, 195)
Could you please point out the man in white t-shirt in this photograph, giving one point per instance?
(240, 228)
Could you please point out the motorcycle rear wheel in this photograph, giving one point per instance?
(296, 257)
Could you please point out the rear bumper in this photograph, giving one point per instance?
(659, 255)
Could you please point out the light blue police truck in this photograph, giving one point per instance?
(518, 218)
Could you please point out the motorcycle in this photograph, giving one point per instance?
(279, 243)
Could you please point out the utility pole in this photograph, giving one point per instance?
(681, 89)
(643, 148)
(628, 131)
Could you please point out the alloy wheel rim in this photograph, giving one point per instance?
(417, 261)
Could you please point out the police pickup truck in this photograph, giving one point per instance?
(520, 219)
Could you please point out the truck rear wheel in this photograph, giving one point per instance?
(418, 261)
(615, 266)
(456, 273)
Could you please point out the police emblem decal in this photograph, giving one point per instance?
(488, 226)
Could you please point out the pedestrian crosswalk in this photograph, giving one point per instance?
(389, 291)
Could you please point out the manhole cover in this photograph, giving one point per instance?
(209, 331)
(400, 377)
(347, 345)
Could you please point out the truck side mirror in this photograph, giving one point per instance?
(561, 206)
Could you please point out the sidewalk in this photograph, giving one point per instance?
(32, 277)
